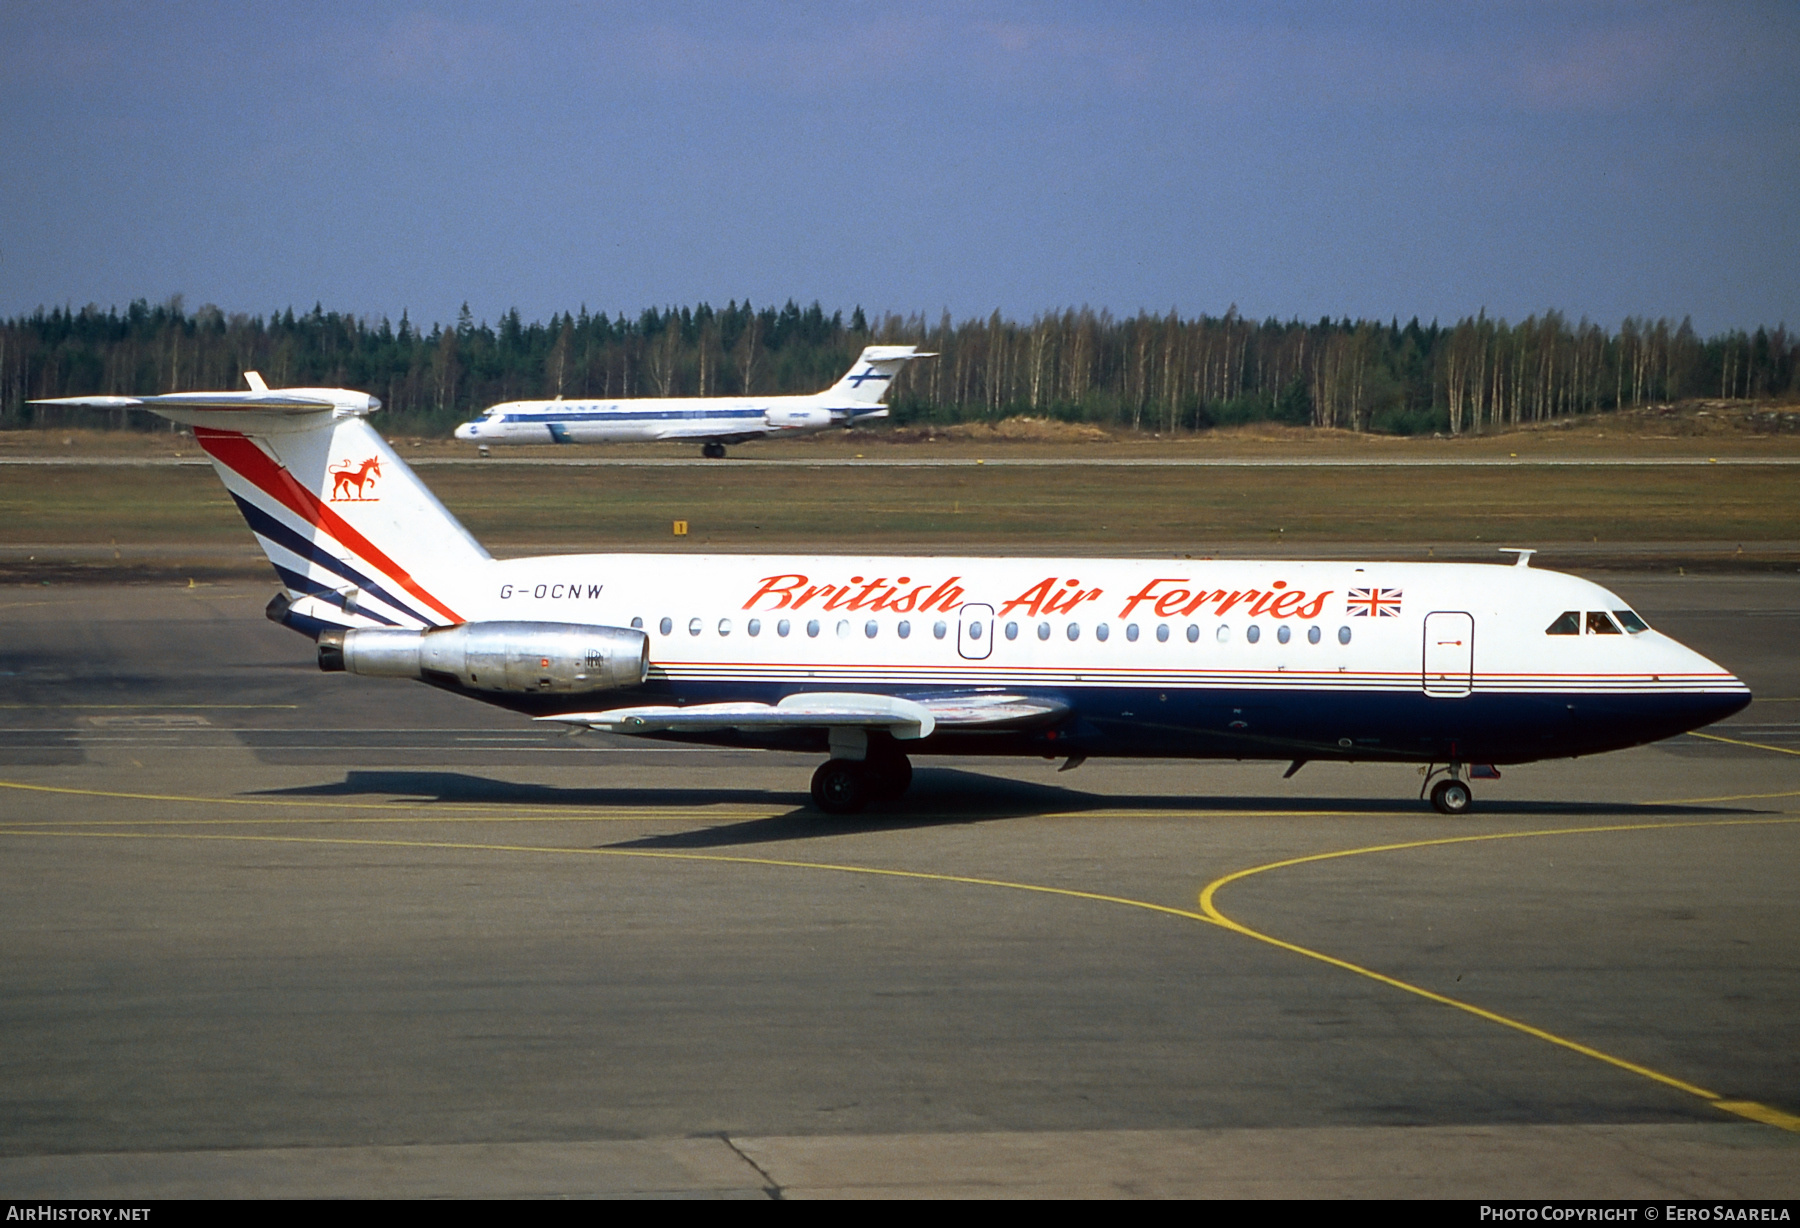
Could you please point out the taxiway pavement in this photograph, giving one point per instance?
(273, 931)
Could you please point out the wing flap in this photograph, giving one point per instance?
(987, 710)
(906, 719)
(903, 718)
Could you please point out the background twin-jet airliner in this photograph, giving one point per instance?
(1455, 667)
(712, 422)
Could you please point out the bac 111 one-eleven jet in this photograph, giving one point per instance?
(1454, 667)
(712, 422)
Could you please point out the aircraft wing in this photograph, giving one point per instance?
(723, 432)
(991, 710)
(905, 719)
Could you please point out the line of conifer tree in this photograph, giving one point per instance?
(1150, 372)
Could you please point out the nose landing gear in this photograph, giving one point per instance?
(1451, 795)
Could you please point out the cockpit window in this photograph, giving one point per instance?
(1567, 623)
(1631, 622)
(1599, 624)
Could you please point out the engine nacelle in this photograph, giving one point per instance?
(785, 419)
(519, 657)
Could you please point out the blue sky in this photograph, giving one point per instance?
(1602, 159)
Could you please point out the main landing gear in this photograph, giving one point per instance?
(845, 786)
(713, 451)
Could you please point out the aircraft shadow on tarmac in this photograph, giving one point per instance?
(939, 797)
(466, 788)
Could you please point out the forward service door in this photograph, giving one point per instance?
(1449, 669)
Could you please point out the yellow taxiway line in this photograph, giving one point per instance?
(1742, 1108)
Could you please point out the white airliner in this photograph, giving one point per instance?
(711, 421)
(1455, 667)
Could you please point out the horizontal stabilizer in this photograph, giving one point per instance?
(91, 402)
(288, 402)
(260, 401)
(903, 718)
(887, 353)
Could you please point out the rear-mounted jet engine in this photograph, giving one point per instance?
(514, 657)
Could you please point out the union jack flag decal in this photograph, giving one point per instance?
(1374, 602)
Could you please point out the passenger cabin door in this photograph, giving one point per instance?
(1449, 654)
(975, 631)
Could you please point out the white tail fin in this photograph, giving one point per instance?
(355, 536)
(357, 539)
(869, 380)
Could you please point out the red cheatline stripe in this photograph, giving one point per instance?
(237, 453)
(1152, 673)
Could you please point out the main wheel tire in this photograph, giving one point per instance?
(840, 786)
(890, 777)
(1451, 797)
(712, 451)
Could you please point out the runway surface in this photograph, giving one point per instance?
(274, 931)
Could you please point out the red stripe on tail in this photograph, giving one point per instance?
(237, 453)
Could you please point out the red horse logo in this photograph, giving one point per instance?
(354, 475)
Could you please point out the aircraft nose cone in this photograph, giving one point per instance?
(1702, 710)
(1727, 695)
(1735, 701)
(466, 431)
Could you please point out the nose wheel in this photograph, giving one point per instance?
(1452, 794)
(1451, 797)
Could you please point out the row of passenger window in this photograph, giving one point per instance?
(783, 627)
(1252, 633)
(1102, 631)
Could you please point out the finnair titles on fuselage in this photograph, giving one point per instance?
(870, 660)
(712, 422)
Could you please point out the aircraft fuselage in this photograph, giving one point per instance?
(714, 419)
(1200, 659)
